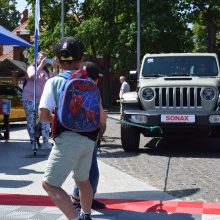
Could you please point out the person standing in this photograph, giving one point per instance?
(43, 74)
(72, 151)
(124, 86)
(93, 72)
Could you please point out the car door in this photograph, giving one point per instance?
(14, 94)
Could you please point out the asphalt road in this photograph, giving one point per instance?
(187, 168)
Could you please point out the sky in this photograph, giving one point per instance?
(21, 4)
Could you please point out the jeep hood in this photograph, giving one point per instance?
(179, 81)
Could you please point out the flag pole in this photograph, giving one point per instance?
(37, 19)
(62, 19)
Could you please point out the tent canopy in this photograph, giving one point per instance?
(9, 38)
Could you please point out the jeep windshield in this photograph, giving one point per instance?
(180, 66)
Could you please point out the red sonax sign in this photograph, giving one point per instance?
(184, 118)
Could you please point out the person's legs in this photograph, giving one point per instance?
(86, 195)
(59, 165)
(94, 172)
(71, 152)
(94, 179)
(61, 199)
(82, 180)
(29, 110)
(93, 176)
(121, 111)
(45, 131)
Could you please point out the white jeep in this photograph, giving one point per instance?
(179, 92)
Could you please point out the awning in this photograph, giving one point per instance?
(9, 38)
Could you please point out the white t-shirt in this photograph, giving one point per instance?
(124, 88)
(50, 96)
(47, 99)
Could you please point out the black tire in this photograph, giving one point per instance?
(130, 137)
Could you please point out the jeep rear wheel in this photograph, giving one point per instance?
(130, 137)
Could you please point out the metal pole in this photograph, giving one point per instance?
(138, 36)
(62, 19)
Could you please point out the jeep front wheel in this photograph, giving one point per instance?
(130, 137)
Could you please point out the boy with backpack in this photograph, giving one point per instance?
(93, 72)
(77, 122)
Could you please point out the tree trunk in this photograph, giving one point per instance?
(211, 25)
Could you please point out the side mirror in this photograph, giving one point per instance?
(133, 75)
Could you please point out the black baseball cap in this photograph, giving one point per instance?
(69, 49)
(92, 69)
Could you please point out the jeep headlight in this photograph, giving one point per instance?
(208, 94)
(148, 94)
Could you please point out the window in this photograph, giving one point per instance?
(179, 66)
(7, 90)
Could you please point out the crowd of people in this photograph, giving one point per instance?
(71, 151)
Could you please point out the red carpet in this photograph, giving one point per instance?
(122, 204)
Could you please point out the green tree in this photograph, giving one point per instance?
(106, 29)
(50, 21)
(109, 28)
(9, 16)
(163, 28)
(205, 17)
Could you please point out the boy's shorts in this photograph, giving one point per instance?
(71, 152)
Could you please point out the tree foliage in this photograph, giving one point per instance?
(164, 28)
(9, 16)
(205, 17)
(109, 28)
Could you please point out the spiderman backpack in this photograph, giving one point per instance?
(79, 103)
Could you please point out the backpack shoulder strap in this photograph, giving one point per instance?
(64, 75)
(56, 83)
(80, 74)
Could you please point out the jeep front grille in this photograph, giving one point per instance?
(178, 97)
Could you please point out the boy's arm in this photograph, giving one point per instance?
(45, 115)
(47, 103)
(102, 129)
(103, 118)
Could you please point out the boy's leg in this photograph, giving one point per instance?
(61, 199)
(93, 176)
(86, 195)
(94, 179)
(57, 169)
(71, 152)
(94, 172)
